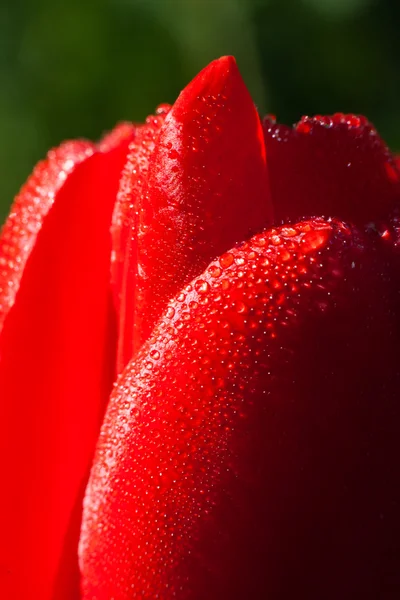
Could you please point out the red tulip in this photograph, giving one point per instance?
(243, 280)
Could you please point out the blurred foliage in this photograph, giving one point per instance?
(73, 69)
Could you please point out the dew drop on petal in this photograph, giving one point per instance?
(214, 271)
(170, 312)
(226, 260)
(202, 286)
(240, 307)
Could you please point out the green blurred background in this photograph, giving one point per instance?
(73, 69)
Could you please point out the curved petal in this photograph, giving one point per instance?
(57, 348)
(30, 208)
(334, 166)
(124, 224)
(251, 449)
(206, 190)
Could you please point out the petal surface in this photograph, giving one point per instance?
(30, 208)
(251, 449)
(206, 190)
(57, 351)
(336, 166)
(124, 225)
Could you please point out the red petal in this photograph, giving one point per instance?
(122, 133)
(124, 222)
(334, 166)
(251, 450)
(28, 212)
(206, 190)
(57, 346)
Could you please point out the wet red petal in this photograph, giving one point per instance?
(206, 190)
(120, 226)
(251, 450)
(57, 348)
(28, 212)
(124, 222)
(334, 166)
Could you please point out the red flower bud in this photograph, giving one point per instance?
(243, 282)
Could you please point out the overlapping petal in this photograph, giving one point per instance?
(206, 189)
(57, 356)
(125, 225)
(28, 212)
(335, 166)
(249, 449)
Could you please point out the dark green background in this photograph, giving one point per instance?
(72, 69)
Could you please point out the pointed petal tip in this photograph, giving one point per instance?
(215, 74)
(226, 62)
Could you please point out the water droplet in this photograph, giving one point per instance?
(284, 255)
(214, 271)
(170, 312)
(225, 284)
(276, 240)
(226, 260)
(304, 127)
(202, 286)
(260, 241)
(314, 239)
(162, 109)
(240, 307)
(288, 232)
(353, 121)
